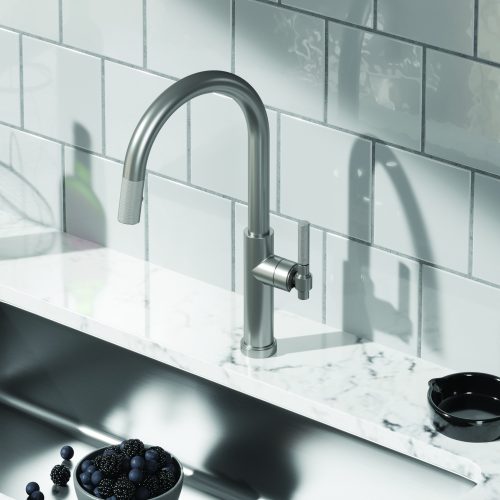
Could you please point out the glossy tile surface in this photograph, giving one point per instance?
(461, 321)
(374, 85)
(30, 178)
(444, 23)
(129, 92)
(189, 231)
(112, 28)
(462, 110)
(40, 17)
(488, 46)
(92, 192)
(372, 294)
(62, 94)
(186, 36)
(281, 54)
(10, 88)
(325, 177)
(353, 11)
(219, 147)
(486, 264)
(422, 208)
(285, 245)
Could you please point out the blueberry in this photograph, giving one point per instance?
(32, 487)
(152, 455)
(152, 465)
(37, 495)
(136, 475)
(108, 452)
(96, 493)
(142, 493)
(122, 445)
(85, 478)
(67, 452)
(137, 462)
(97, 477)
(91, 469)
(85, 464)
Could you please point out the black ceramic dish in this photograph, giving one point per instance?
(466, 406)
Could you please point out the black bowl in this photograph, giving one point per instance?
(466, 406)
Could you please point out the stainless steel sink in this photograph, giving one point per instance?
(59, 386)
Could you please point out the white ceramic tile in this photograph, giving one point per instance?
(10, 94)
(62, 94)
(112, 28)
(30, 177)
(129, 92)
(489, 30)
(444, 23)
(40, 17)
(486, 264)
(374, 85)
(281, 53)
(461, 322)
(91, 193)
(186, 36)
(462, 110)
(189, 231)
(219, 147)
(422, 207)
(285, 245)
(325, 177)
(372, 294)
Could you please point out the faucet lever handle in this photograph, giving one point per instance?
(303, 278)
(304, 230)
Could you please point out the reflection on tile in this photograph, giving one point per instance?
(92, 191)
(325, 177)
(10, 95)
(463, 111)
(372, 294)
(62, 93)
(189, 231)
(112, 28)
(281, 54)
(353, 11)
(489, 30)
(285, 245)
(486, 264)
(40, 17)
(219, 147)
(129, 92)
(422, 207)
(30, 177)
(186, 36)
(374, 85)
(461, 322)
(445, 23)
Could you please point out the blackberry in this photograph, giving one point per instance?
(110, 465)
(60, 475)
(124, 489)
(106, 487)
(152, 483)
(133, 447)
(167, 480)
(164, 458)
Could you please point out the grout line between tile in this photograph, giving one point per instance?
(420, 310)
(325, 90)
(61, 21)
(323, 284)
(21, 81)
(233, 36)
(146, 217)
(144, 34)
(63, 188)
(233, 246)
(372, 193)
(189, 143)
(423, 99)
(375, 14)
(476, 26)
(103, 105)
(278, 164)
(471, 225)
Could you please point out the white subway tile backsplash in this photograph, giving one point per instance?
(186, 36)
(325, 177)
(372, 294)
(189, 231)
(39, 17)
(285, 245)
(219, 147)
(444, 23)
(62, 94)
(30, 177)
(281, 54)
(461, 322)
(112, 28)
(422, 207)
(486, 237)
(92, 192)
(488, 45)
(129, 92)
(10, 83)
(374, 85)
(462, 110)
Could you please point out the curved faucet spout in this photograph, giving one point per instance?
(159, 112)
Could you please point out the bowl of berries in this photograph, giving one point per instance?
(129, 471)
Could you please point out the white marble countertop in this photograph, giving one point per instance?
(365, 389)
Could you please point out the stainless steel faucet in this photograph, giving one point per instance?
(264, 271)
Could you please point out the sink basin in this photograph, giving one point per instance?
(59, 386)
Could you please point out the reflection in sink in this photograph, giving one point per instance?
(239, 447)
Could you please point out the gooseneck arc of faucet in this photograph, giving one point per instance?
(263, 270)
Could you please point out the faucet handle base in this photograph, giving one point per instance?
(258, 352)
